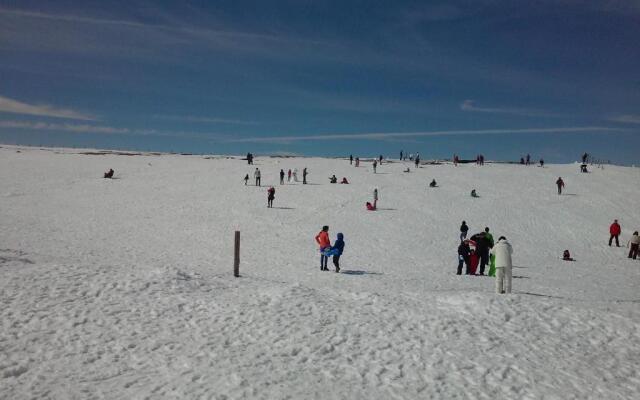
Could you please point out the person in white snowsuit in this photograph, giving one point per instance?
(256, 175)
(502, 251)
(295, 175)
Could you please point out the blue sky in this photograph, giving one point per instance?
(502, 78)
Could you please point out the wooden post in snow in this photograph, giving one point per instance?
(236, 255)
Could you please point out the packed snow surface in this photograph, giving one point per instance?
(123, 288)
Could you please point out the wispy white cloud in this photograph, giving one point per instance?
(470, 105)
(627, 119)
(391, 135)
(212, 120)
(8, 105)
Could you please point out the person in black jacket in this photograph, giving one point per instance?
(482, 248)
(463, 231)
(282, 177)
(463, 256)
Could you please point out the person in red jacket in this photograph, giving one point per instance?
(615, 231)
(322, 238)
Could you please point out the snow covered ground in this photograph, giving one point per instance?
(123, 288)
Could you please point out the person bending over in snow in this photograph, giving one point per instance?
(633, 245)
(615, 231)
(337, 249)
(109, 174)
(271, 194)
(322, 238)
(503, 252)
(560, 184)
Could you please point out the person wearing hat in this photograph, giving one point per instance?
(503, 251)
(615, 231)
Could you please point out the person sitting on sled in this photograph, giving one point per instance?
(433, 183)
(333, 179)
(109, 174)
(371, 207)
(344, 181)
(474, 194)
(566, 256)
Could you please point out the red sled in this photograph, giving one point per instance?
(473, 263)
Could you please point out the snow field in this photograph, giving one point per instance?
(123, 288)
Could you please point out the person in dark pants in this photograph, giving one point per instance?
(633, 244)
(338, 248)
(282, 177)
(304, 176)
(350, 159)
(256, 175)
(322, 238)
(463, 256)
(560, 184)
(482, 246)
(271, 194)
(615, 231)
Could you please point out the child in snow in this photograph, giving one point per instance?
(337, 249)
(433, 184)
(271, 194)
(566, 256)
(463, 256)
(322, 238)
(246, 179)
(371, 207)
(109, 174)
(503, 251)
(344, 181)
(560, 184)
(474, 194)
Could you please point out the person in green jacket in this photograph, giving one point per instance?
(492, 258)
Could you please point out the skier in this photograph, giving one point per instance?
(375, 164)
(560, 184)
(304, 176)
(433, 183)
(271, 194)
(375, 198)
(322, 238)
(256, 175)
(463, 231)
(289, 176)
(633, 244)
(503, 252)
(350, 159)
(246, 179)
(282, 177)
(463, 256)
(337, 249)
(109, 174)
(615, 231)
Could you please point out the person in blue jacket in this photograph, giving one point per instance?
(336, 249)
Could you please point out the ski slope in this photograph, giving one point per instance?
(123, 288)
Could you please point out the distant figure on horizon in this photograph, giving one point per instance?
(400, 155)
(350, 159)
(249, 158)
(417, 160)
(503, 251)
(295, 175)
(357, 161)
(109, 174)
(456, 160)
(560, 184)
(463, 231)
(528, 160)
(380, 158)
(521, 161)
(615, 230)
(585, 157)
(541, 162)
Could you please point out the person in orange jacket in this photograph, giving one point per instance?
(322, 238)
(615, 231)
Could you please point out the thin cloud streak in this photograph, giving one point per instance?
(12, 106)
(213, 120)
(469, 105)
(627, 119)
(390, 135)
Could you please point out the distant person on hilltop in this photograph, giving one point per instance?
(350, 159)
(474, 193)
(357, 161)
(400, 155)
(333, 179)
(109, 174)
(528, 160)
(380, 158)
(322, 238)
(417, 161)
(256, 175)
(633, 244)
(560, 184)
(615, 231)
(344, 181)
(503, 251)
(463, 231)
(271, 195)
(541, 162)
(585, 157)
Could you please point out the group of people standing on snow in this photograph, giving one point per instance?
(486, 252)
(634, 242)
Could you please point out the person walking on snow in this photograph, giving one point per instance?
(350, 159)
(560, 184)
(289, 176)
(337, 249)
(503, 251)
(304, 176)
(256, 175)
(375, 164)
(282, 177)
(375, 198)
(246, 179)
(615, 231)
(633, 245)
(271, 194)
(380, 158)
(463, 257)
(322, 238)
(463, 231)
